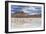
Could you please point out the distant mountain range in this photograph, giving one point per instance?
(22, 14)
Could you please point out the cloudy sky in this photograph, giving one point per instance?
(31, 10)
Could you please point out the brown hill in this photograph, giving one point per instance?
(22, 14)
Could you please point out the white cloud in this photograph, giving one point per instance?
(31, 8)
(33, 13)
(28, 8)
(12, 12)
(25, 10)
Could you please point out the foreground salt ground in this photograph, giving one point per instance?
(25, 22)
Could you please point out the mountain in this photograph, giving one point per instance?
(23, 14)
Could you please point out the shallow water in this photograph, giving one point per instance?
(26, 22)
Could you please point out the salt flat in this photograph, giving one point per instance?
(25, 22)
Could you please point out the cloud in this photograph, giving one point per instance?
(30, 9)
(12, 12)
(34, 14)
